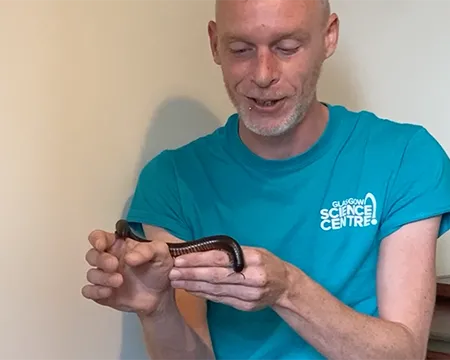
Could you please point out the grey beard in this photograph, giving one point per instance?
(290, 122)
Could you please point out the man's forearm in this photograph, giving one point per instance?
(167, 336)
(339, 332)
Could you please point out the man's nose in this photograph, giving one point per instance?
(266, 69)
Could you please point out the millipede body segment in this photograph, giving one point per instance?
(214, 242)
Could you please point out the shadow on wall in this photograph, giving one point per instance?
(176, 122)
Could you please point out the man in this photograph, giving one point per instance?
(338, 213)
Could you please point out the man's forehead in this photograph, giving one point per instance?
(266, 18)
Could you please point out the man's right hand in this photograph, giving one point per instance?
(127, 275)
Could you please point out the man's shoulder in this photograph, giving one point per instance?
(390, 146)
(378, 126)
(376, 132)
(410, 163)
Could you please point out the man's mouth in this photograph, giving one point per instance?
(265, 102)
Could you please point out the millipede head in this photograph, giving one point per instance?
(122, 229)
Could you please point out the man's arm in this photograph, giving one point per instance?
(406, 284)
(180, 329)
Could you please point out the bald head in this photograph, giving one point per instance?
(323, 4)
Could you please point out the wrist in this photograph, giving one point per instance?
(295, 279)
(165, 305)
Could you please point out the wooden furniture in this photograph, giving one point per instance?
(439, 343)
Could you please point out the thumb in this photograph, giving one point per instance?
(101, 240)
(139, 253)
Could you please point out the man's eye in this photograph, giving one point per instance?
(289, 51)
(239, 51)
(288, 46)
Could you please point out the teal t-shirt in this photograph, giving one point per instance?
(325, 211)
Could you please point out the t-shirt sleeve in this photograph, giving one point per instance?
(156, 198)
(421, 188)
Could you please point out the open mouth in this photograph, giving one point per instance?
(265, 102)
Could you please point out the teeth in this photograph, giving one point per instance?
(266, 103)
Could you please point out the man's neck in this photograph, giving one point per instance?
(296, 141)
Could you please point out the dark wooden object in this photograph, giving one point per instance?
(440, 328)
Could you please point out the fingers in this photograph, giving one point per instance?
(101, 260)
(99, 277)
(96, 293)
(207, 258)
(140, 253)
(103, 278)
(235, 291)
(252, 276)
(244, 305)
(101, 240)
(102, 283)
(230, 301)
(252, 257)
(255, 256)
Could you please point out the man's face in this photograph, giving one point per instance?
(271, 53)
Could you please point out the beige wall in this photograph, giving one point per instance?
(90, 90)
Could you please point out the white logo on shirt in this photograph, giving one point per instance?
(350, 213)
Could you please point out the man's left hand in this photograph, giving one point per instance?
(263, 282)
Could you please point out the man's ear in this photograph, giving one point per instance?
(213, 41)
(332, 35)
